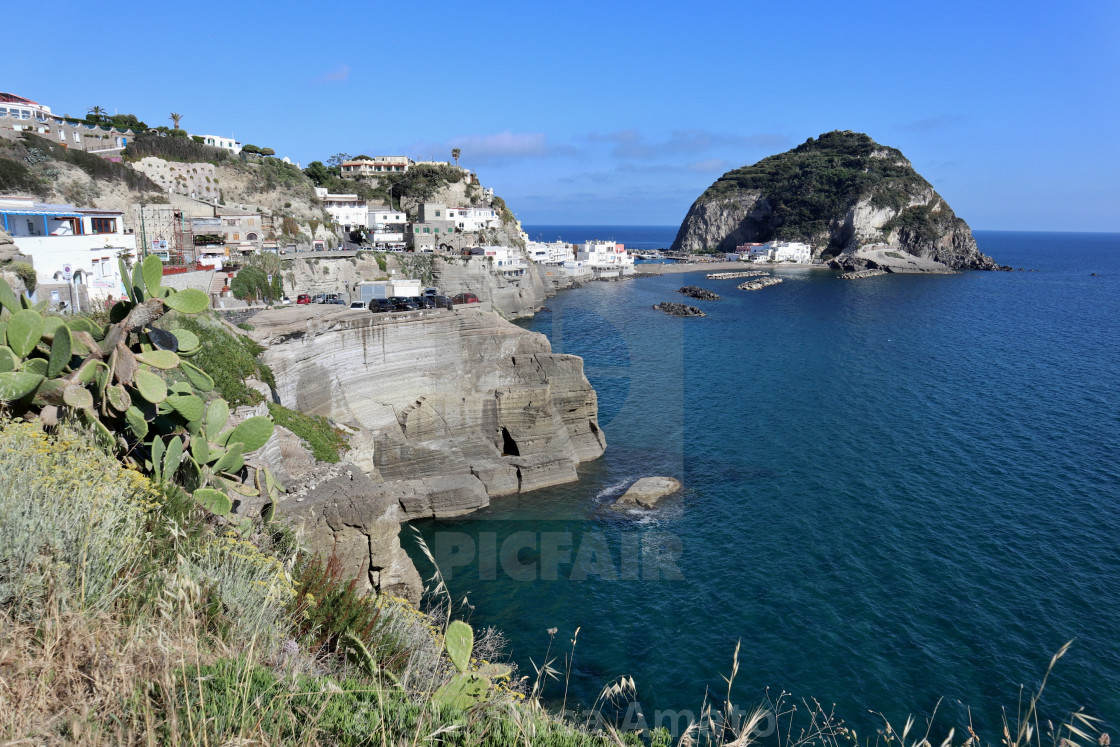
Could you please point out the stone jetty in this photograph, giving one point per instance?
(857, 274)
(753, 285)
(730, 275)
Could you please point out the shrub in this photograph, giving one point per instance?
(249, 590)
(185, 150)
(72, 519)
(228, 359)
(15, 177)
(25, 272)
(326, 443)
(95, 166)
(326, 606)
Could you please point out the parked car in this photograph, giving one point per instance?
(335, 301)
(464, 298)
(357, 305)
(303, 298)
(380, 305)
(285, 300)
(320, 298)
(404, 304)
(425, 302)
(429, 292)
(443, 302)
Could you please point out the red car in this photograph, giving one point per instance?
(303, 298)
(464, 298)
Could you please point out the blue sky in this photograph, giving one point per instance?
(620, 112)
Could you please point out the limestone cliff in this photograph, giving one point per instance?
(840, 192)
(512, 297)
(450, 408)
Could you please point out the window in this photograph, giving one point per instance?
(104, 225)
(237, 237)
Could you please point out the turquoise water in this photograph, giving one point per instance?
(896, 489)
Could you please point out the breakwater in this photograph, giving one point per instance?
(759, 284)
(731, 275)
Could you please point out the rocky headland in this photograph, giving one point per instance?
(838, 193)
(447, 409)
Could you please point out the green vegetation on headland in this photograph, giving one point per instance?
(326, 443)
(808, 191)
(412, 187)
(28, 165)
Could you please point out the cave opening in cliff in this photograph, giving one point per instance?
(509, 446)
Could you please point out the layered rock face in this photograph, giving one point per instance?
(512, 297)
(450, 408)
(838, 193)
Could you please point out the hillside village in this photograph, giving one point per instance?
(77, 195)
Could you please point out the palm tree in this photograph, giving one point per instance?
(455, 153)
(97, 113)
(175, 118)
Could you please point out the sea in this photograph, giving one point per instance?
(901, 495)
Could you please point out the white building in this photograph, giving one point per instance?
(554, 253)
(225, 143)
(473, 218)
(382, 217)
(507, 260)
(606, 258)
(17, 107)
(346, 211)
(792, 251)
(70, 246)
(377, 166)
(576, 269)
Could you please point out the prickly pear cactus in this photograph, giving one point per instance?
(134, 385)
(467, 687)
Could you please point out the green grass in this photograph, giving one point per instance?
(326, 443)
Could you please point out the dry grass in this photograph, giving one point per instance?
(77, 677)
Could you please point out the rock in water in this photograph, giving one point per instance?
(700, 294)
(678, 309)
(837, 193)
(647, 492)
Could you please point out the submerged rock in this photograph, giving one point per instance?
(645, 493)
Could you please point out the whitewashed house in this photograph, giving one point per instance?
(606, 258)
(346, 210)
(71, 246)
(792, 251)
(553, 253)
(506, 260)
(473, 218)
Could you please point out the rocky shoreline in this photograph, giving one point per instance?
(447, 409)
